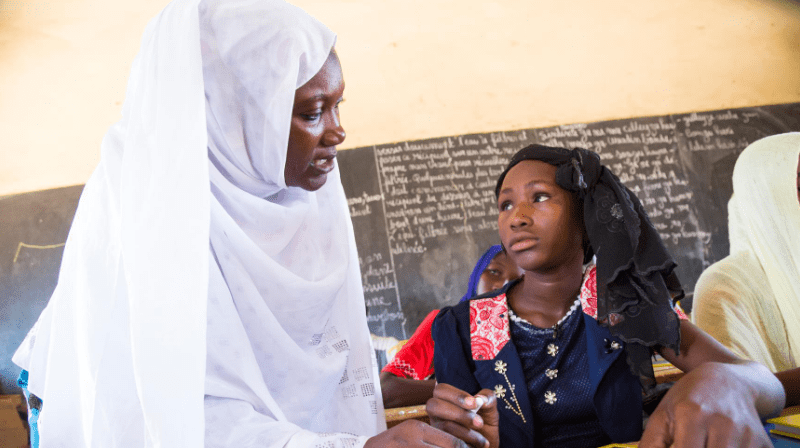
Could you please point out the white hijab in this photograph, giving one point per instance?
(186, 300)
(764, 220)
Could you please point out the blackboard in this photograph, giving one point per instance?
(424, 211)
(34, 228)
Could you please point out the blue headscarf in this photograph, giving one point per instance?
(481, 266)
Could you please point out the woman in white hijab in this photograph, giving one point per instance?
(750, 300)
(210, 292)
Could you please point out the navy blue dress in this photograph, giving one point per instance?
(556, 366)
(593, 399)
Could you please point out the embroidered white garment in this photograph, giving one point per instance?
(201, 302)
(750, 300)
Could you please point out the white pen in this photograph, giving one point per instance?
(480, 400)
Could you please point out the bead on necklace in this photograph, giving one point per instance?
(555, 327)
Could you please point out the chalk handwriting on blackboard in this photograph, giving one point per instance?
(444, 187)
(429, 206)
(714, 131)
(643, 154)
(34, 246)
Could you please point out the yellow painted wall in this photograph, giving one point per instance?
(413, 68)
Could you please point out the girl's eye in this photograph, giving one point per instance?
(540, 197)
(505, 205)
(493, 272)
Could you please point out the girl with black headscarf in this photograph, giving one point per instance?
(547, 375)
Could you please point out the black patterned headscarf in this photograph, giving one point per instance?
(636, 282)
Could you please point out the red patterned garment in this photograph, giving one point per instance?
(488, 326)
(415, 359)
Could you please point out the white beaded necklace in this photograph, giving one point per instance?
(555, 327)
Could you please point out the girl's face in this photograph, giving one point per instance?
(539, 222)
(315, 129)
(500, 271)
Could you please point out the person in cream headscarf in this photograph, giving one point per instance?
(210, 292)
(750, 300)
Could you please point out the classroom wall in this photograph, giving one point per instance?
(414, 69)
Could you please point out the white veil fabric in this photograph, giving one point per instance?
(201, 301)
(750, 301)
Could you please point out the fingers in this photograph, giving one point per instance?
(726, 432)
(691, 426)
(458, 432)
(458, 413)
(413, 433)
(453, 405)
(688, 432)
(441, 412)
(658, 433)
(438, 438)
(454, 395)
(489, 413)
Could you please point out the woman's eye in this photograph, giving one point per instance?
(505, 205)
(493, 272)
(540, 197)
(312, 116)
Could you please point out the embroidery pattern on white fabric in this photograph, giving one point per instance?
(351, 442)
(360, 373)
(341, 345)
(368, 389)
(331, 334)
(315, 339)
(349, 391)
(324, 351)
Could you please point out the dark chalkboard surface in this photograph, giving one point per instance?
(33, 229)
(424, 211)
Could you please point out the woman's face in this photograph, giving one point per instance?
(539, 221)
(315, 129)
(500, 271)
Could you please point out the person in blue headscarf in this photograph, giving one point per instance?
(408, 379)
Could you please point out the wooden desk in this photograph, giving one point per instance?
(396, 416)
(666, 372)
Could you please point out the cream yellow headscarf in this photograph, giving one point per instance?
(750, 301)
